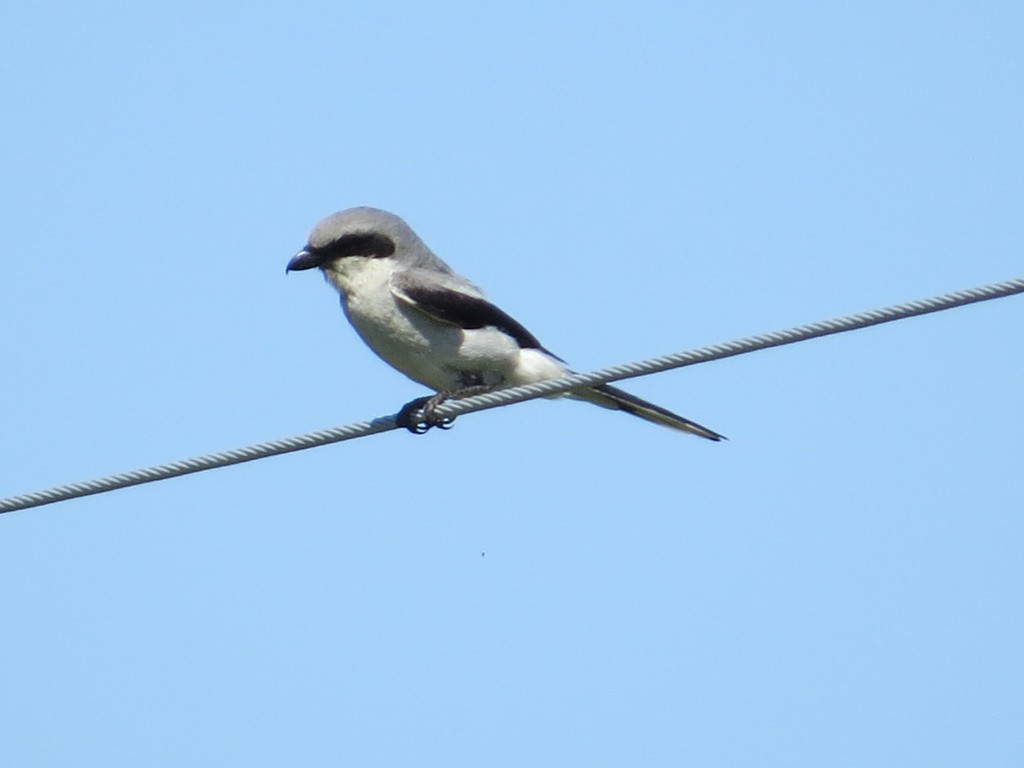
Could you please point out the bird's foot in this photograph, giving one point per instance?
(427, 406)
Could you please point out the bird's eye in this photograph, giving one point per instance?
(372, 245)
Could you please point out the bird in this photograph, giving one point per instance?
(435, 326)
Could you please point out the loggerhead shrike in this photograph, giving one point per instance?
(435, 326)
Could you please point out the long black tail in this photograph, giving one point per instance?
(608, 396)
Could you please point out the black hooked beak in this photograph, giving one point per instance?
(304, 259)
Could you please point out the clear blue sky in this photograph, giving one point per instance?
(548, 584)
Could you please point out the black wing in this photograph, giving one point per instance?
(449, 305)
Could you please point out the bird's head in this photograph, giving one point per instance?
(347, 240)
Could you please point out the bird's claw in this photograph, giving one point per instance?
(406, 416)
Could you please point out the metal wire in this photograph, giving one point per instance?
(518, 394)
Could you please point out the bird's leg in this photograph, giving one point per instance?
(429, 405)
(404, 418)
(406, 415)
(430, 418)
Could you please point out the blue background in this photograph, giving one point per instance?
(549, 583)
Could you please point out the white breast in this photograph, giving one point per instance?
(436, 354)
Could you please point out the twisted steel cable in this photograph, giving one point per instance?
(518, 394)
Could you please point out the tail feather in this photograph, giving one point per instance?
(608, 396)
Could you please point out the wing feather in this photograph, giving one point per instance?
(447, 300)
